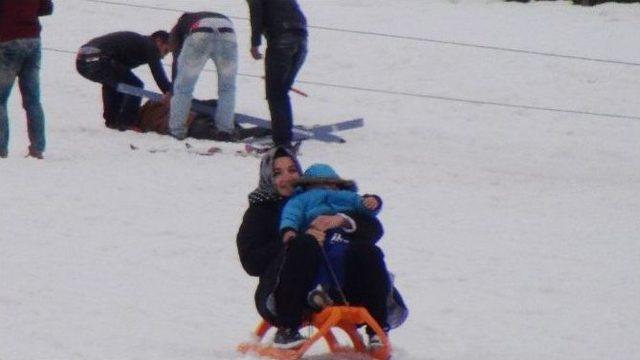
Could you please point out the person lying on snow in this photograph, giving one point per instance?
(154, 116)
(288, 272)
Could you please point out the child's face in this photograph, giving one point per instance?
(284, 174)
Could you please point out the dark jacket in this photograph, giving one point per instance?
(131, 50)
(19, 18)
(274, 17)
(259, 241)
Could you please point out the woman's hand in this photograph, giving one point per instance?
(327, 222)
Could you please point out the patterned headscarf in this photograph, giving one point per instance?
(266, 190)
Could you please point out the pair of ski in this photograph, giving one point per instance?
(324, 133)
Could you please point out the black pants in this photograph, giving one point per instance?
(284, 57)
(297, 278)
(119, 110)
(366, 280)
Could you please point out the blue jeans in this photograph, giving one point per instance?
(222, 48)
(21, 58)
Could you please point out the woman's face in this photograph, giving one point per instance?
(284, 174)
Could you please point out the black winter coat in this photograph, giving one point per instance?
(131, 50)
(274, 17)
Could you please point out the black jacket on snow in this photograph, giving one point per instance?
(131, 50)
(274, 17)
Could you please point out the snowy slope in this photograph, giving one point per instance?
(513, 231)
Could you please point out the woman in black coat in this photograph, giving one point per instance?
(287, 271)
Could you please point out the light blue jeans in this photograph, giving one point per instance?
(222, 48)
(20, 59)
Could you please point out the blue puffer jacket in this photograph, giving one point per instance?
(307, 205)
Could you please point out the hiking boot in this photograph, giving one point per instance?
(35, 153)
(287, 338)
(318, 299)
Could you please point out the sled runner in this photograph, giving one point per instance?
(346, 318)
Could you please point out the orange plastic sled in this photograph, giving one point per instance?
(346, 318)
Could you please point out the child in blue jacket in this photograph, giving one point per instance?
(323, 192)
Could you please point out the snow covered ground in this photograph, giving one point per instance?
(513, 232)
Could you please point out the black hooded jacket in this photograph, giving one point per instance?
(275, 17)
(131, 50)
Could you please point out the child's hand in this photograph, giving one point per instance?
(290, 234)
(370, 202)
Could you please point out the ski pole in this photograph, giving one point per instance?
(299, 92)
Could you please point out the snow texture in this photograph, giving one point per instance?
(512, 230)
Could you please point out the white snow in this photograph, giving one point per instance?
(513, 232)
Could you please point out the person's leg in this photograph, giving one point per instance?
(194, 55)
(297, 279)
(225, 56)
(103, 72)
(297, 59)
(111, 100)
(278, 63)
(29, 82)
(10, 62)
(129, 112)
(367, 280)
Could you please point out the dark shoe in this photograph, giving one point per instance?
(4, 154)
(318, 299)
(35, 153)
(375, 342)
(287, 338)
(180, 137)
(223, 136)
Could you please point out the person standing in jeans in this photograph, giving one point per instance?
(20, 56)
(196, 38)
(284, 26)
